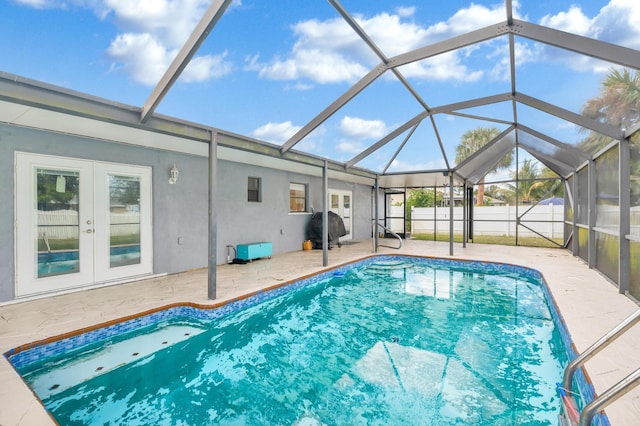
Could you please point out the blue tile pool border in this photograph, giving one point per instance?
(57, 345)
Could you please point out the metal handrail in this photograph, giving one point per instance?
(392, 233)
(617, 390)
(46, 241)
(612, 394)
(602, 343)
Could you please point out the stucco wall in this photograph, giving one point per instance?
(180, 211)
(241, 221)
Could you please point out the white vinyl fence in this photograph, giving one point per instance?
(547, 220)
(63, 224)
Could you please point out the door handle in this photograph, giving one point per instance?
(89, 231)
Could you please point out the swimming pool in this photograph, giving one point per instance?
(445, 340)
(66, 261)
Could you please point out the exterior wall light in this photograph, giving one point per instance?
(173, 175)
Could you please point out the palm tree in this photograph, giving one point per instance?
(552, 188)
(528, 186)
(618, 105)
(471, 142)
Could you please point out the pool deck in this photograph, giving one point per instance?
(589, 303)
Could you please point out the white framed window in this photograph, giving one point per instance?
(297, 197)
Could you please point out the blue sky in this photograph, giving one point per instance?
(269, 67)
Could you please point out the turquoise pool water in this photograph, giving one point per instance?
(65, 262)
(391, 341)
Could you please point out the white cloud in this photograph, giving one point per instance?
(471, 18)
(350, 147)
(170, 21)
(523, 52)
(140, 55)
(398, 165)
(40, 4)
(406, 12)
(616, 22)
(356, 131)
(331, 52)
(573, 21)
(361, 129)
(279, 133)
(203, 68)
(152, 32)
(445, 67)
(276, 132)
(157, 29)
(146, 59)
(321, 54)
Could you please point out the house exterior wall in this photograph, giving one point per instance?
(180, 211)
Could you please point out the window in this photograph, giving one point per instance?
(254, 189)
(297, 197)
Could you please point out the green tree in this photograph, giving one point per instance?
(421, 198)
(618, 105)
(471, 142)
(502, 193)
(551, 188)
(56, 192)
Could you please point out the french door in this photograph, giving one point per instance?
(80, 222)
(340, 203)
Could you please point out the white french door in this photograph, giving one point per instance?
(340, 202)
(80, 222)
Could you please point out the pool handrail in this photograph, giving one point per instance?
(617, 390)
(376, 244)
(610, 395)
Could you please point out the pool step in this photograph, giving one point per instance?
(50, 381)
(386, 266)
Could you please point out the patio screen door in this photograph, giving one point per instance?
(80, 222)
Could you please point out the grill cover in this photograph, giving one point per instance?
(336, 229)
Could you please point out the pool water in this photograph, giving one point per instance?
(65, 262)
(400, 341)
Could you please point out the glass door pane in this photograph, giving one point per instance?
(57, 222)
(340, 204)
(346, 213)
(123, 240)
(124, 220)
(54, 223)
